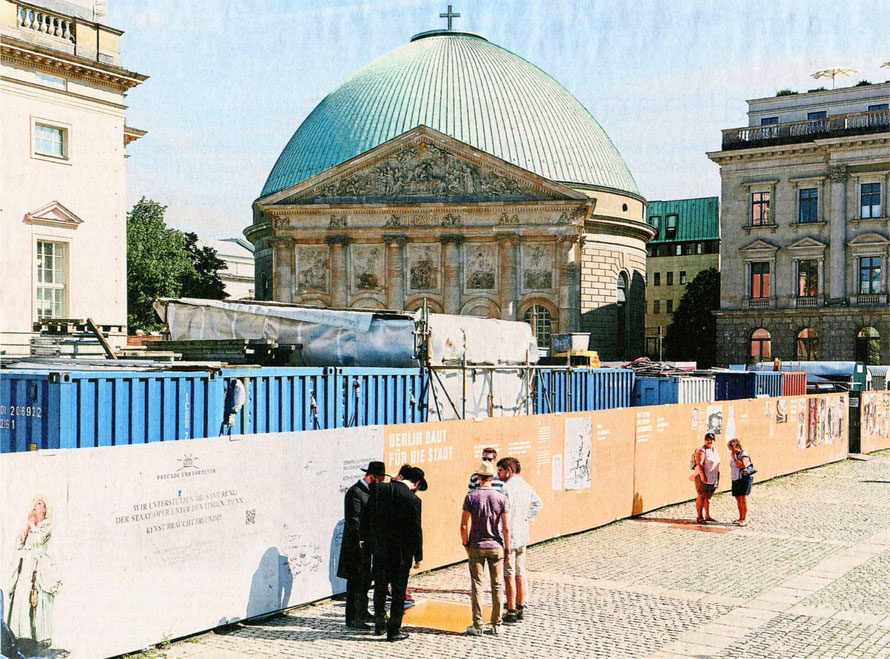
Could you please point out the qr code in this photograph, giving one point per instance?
(250, 517)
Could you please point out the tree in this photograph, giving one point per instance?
(204, 280)
(692, 334)
(162, 262)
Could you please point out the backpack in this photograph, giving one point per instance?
(692, 463)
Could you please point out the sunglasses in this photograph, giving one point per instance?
(487, 459)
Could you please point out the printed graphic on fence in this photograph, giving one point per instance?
(579, 432)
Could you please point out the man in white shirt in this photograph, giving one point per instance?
(525, 504)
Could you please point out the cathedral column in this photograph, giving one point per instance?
(569, 302)
(338, 270)
(838, 229)
(283, 267)
(451, 272)
(509, 259)
(395, 272)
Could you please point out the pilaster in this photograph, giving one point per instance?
(838, 175)
(451, 276)
(395, 271)
(338, 270)
(509, 258)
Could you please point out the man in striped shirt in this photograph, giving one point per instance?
(488, 455)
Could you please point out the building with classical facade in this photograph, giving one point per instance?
(687, 241)
(238, 275)
(804, 228)
(452, 172)
(63, 217)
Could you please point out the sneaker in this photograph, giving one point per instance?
(510, 618)
(493, 630)
(474, 631)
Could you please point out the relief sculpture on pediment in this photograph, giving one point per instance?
(423, 172)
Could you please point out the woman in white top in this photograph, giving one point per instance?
(707, 475)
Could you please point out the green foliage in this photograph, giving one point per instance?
(204, 280)
(862, 83)
(162, 262)
(785, 92)
(692, 334)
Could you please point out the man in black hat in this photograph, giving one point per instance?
(355, 562)
(391, 529)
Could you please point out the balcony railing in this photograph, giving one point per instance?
(40, 20)
(870, 300)
(759, 302)
(805, 302)
(854, 123)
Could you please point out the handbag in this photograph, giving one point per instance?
(750, 470)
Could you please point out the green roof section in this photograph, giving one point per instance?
(462, 85)
(697, 219)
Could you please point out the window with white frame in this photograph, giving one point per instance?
(50, 141)
(51, 280)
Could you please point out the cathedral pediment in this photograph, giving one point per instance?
(423, 166)
(54, 214)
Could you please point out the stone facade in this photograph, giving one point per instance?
(63, 217)
(425, 218)
(826, 183)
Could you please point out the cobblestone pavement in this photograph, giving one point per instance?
(809, 577)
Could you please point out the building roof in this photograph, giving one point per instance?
(228, 248)
(697, 219)
(464, 86)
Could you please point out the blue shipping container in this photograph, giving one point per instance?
(733, 385)
(106, 408)
(582, 389)
(49, 409)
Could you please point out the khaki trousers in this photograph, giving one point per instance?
(495, 560)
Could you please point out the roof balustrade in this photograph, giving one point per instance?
(839, 125)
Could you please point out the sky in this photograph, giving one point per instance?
(230, 81)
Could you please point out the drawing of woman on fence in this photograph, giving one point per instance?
(35, 581)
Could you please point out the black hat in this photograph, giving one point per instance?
(375, 468)
(415, 475)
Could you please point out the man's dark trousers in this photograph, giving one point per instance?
(357, 586)
(391, 573)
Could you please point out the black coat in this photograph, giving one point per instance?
(351, 554)
(391, 523)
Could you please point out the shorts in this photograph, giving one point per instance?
(742, 487)
(704, 488)
(516, 566)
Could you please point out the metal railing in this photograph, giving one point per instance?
(805, 131)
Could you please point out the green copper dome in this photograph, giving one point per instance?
(461, 85)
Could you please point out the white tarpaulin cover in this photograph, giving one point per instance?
(351, 338)
(489, 393)
(328, 337)
(482, 340)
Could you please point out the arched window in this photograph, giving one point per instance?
(541, 320)
(761, 345)
(868, 346)
(621, 306)
(807, 346)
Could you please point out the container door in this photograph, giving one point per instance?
(855, 445)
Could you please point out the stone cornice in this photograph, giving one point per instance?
(480, 207)
(36, 57)
(796, 149)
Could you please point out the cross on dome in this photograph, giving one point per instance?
(449, 15)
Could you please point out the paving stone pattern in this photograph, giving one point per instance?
(809, 577)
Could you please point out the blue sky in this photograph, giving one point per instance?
(230, 81)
